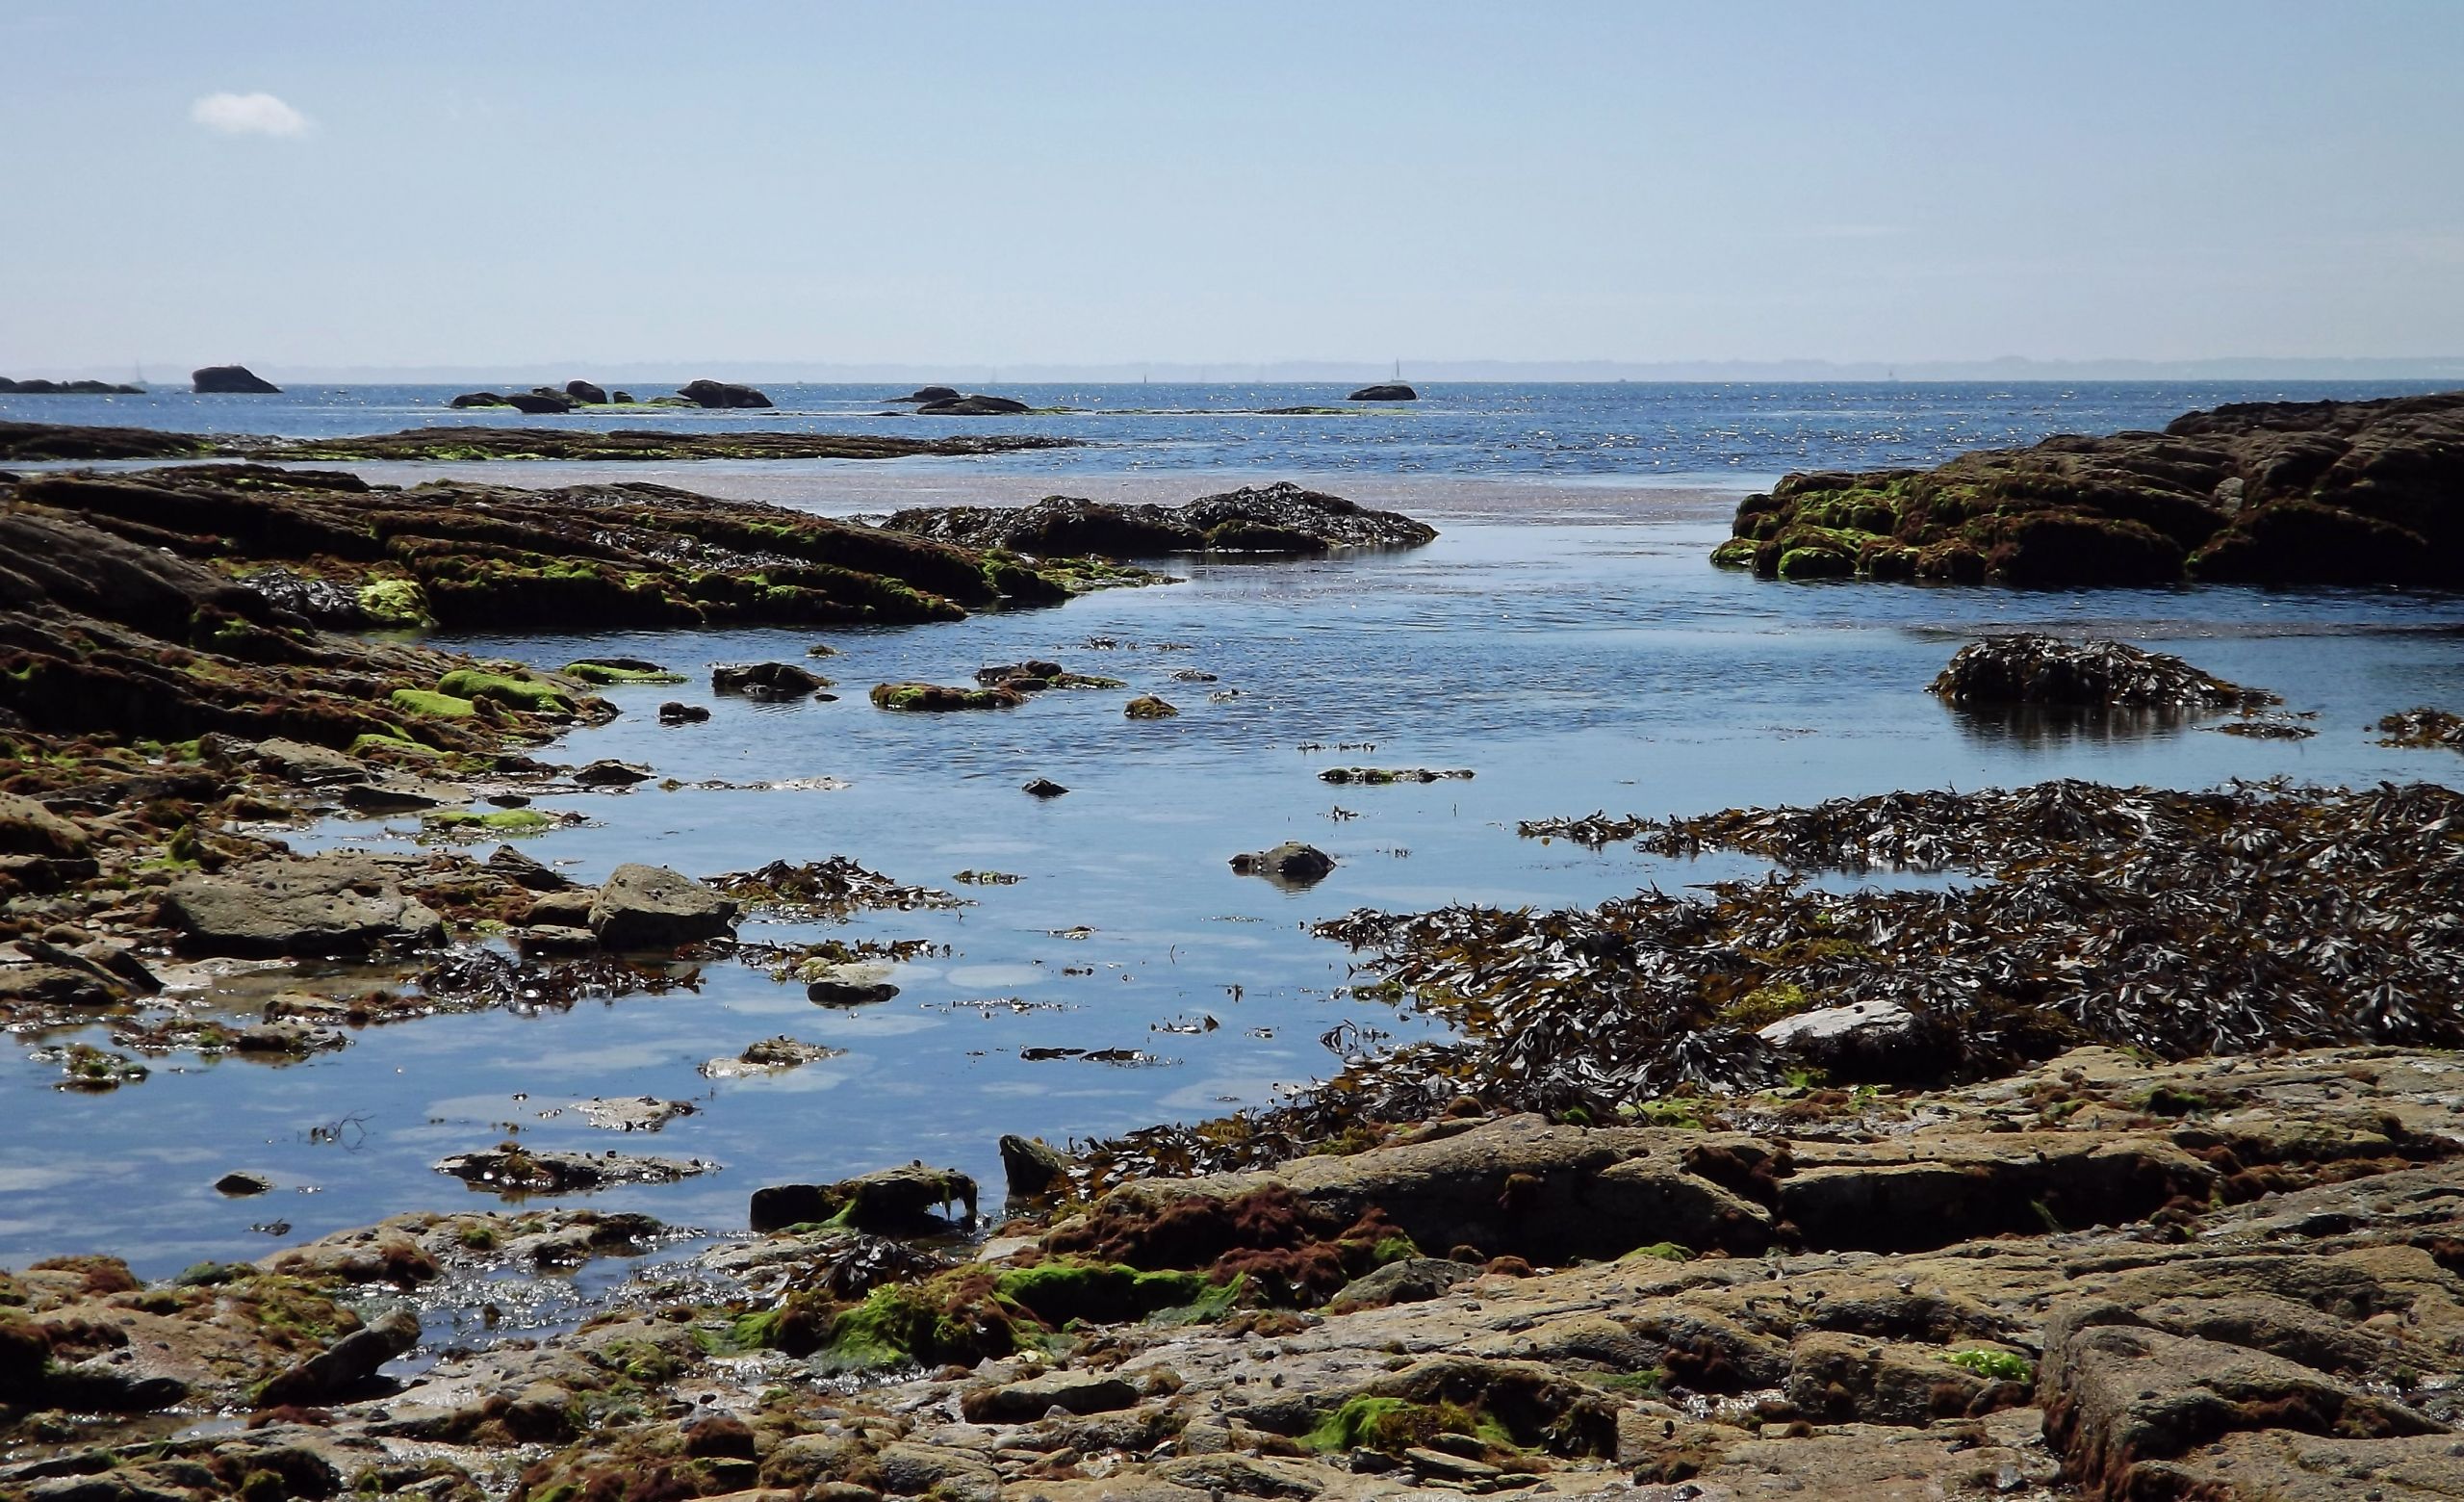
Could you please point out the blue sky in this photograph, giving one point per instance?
(471, 185)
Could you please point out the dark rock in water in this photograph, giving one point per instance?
(2046, 671)
(972, 406)
(507, 864)
(851, 985)
(676, 711)
(2319, 492)
(929, 394)
(645, 908)
(721, 394)
(610, 773)
(513, 1170)
(1148, 706)
(586, 393)
(1390, 391)
(231, 381)
(1281, 518)
(69, 441)
(766, 680)
(65, 388)
(910, 1199)
(240, 1181)
(479, 399)
(1033, 1167)
(1043, 788)
(1290, 863)
(540, 403)
(621, 399)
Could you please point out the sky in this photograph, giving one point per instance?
(447, 185)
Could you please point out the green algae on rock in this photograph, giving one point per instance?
(2290, 493)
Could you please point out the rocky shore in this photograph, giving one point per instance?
(2273, 493)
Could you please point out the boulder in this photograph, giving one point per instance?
(929, 394)
(585, 392)
(540, 403)
(607, 773)
(345, 1367)
(1025, 1401)
(1148, 706)
(1032, 1166)
(1412, 1280)
(1043, 788)
(241, 1182)
(231, 381)
(894, 1200)
(1389, 391)
(645, 908)
(479, 399)
(340, 905)
(1290, 863)
(1866, 1043)
(851, 985)
(676, 711)
(765, 680)
(721, 394)
(2035, 670)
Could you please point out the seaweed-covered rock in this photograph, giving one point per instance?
(1282, 518)
(941, 698)
(2046, 671)
(766, 680)
(2308, 493)
(1290, 863)
(894, 1200)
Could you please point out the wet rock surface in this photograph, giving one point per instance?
(2290, 493)
(51, 441)
(2047, 672)
(1282, 518)
(1290, 863)
(1364, 1325)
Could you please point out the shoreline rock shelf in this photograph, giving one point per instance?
(52, 442)
(1278, 519)
(2275, 493)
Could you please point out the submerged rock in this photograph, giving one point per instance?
(1148, 706)
(513, 1170)
(676, 711)
(231, 381)
(1043, 788)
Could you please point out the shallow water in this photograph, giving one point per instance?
(1572, 666)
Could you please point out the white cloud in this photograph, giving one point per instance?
(249, 115)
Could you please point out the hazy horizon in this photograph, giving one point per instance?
(1915, 185)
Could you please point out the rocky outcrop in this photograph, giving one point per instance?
(1281, 518)
(2047, 672)
(1390, 391)
(2285, 493)
(929, 394)
(588, 393)
(65, 388)
(721, 394)
(36, 442)
(47, 441)
(892, 1201)
(329, 905)
(232, 380)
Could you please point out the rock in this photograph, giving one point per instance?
(860, 984)
(929, 394)
(2046, 671)
(479, 399)
(585, 392)
(765, 680)
(241, 1182)
(512, 1170)
(539, 403)
(1026, 1401)
(1290, 863)
(567, 905)
(1864, 1043)
(606, 773)
(644, 908)
(509, 864)
(940, 698)
(345, 1367)
(892, 1201)
(39, 387)
(769, 1056)
(1390, 391)
(309, 765)
(721, 394)
(329, 905)
(678, 712)
(1148, 706)
(2294, 493)
(1032, 1167)
(397, 795)
(1043, 788)
(555, 939)
(1282, 518)
(231, 381)
(971, 406)
(1412, 1280)
(631, 1113)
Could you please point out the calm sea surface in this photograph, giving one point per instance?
(1563, 638)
